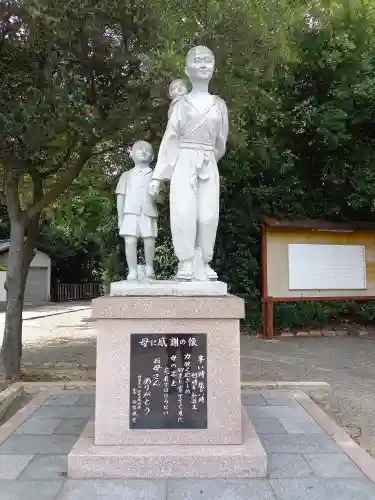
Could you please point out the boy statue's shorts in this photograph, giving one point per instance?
(141, 226)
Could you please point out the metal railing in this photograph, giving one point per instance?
(76, 291)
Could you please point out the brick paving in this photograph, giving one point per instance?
(305, 461)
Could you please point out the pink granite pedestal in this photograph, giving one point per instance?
(228, 447)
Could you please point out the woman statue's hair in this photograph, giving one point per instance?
(198, 50)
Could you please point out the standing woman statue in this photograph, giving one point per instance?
(193, 143)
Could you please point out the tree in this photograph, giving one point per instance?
(73, 84)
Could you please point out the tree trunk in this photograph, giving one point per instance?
(25, 224)
(15, 283)
(20, 255)
(24, 231)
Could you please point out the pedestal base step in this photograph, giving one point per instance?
(248, 459)
(168, 288)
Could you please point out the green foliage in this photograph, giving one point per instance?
(306, 314)
(318, 314)
(3, 268)
(310, 149)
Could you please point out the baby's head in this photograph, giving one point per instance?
(142, 152)
(177, 88)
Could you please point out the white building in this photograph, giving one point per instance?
(38, 285)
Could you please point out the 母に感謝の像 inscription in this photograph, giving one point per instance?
(168, 381)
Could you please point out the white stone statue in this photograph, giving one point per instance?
(193, 143)
(137, 210)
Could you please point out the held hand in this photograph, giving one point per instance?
(154, 187)
(160, 198)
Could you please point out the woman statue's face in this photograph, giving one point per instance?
(200, 65)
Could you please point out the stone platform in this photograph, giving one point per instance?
(248, 459)
(309, 456)
(141, 337)
(168, 288)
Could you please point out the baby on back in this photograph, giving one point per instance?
(177, 90)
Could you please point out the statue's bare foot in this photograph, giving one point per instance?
(133, 275)
(150, 273)
(185, 271)
(210, 273)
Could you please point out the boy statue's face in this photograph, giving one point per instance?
(142, 153)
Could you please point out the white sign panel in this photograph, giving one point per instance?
(326, 267)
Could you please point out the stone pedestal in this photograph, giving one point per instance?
(227, 446)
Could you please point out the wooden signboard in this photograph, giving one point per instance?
(315, 260)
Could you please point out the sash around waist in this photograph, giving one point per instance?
(199, 146)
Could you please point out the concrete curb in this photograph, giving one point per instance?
(56, 313)
(34, 387)
(8, 396)
(320, 392)
(357, 454)
(287, 385)
(360, 332)
(9, 427)
(309, 387)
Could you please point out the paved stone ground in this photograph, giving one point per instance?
(346, 363)
(63, 345)
(304, 463)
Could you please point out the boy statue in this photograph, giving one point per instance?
(137, 210)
